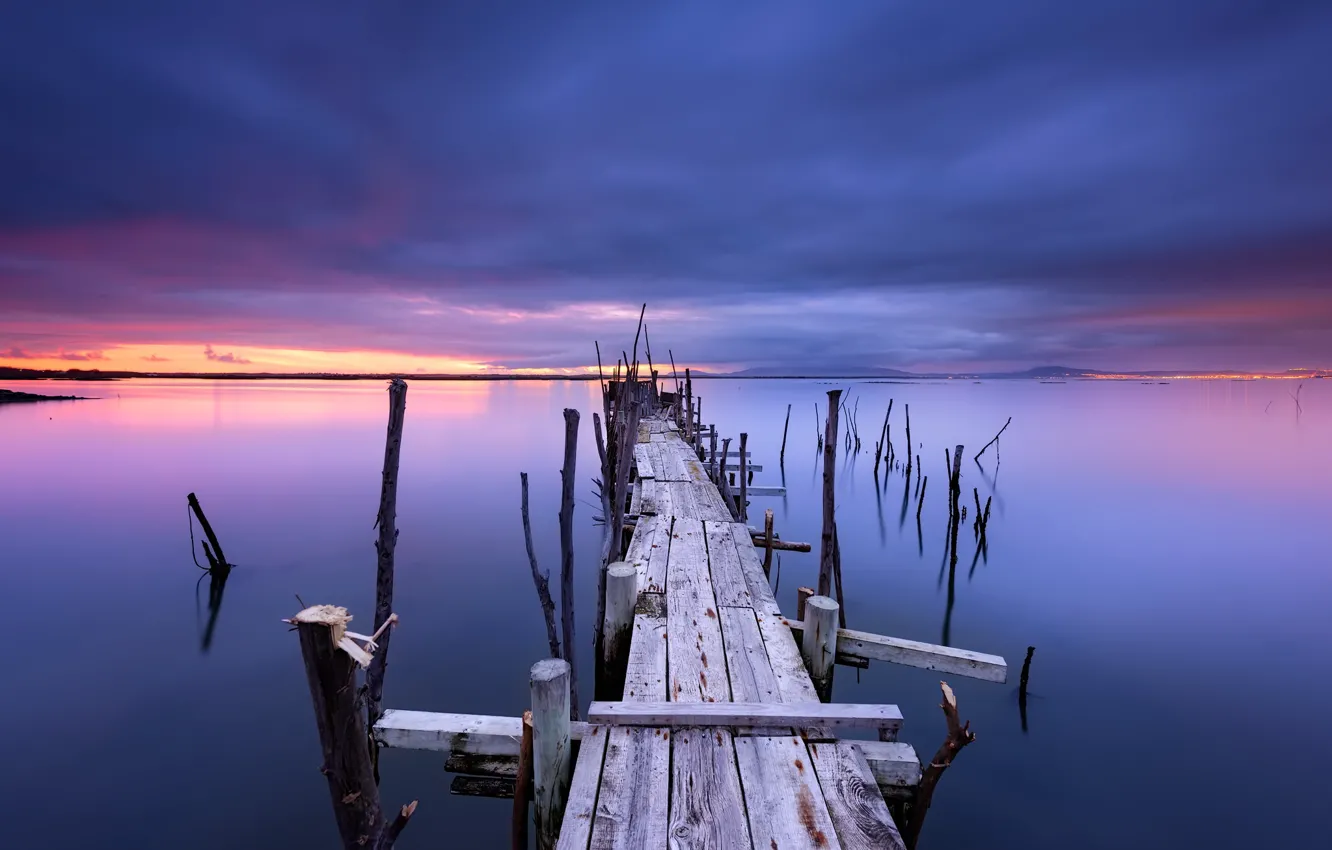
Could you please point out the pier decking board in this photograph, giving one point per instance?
(708, 631)
(858, 811)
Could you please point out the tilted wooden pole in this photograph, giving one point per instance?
(540, 579)
(781, 458)
(215, 556)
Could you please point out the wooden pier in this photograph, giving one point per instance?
(723, 734)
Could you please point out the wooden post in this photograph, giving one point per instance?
(617, 629)
(330, 670)
(215, 557)
(995, 440)
(698, 423)
(910, 448)
(387, 522)
(522, 787)
(818, 644)
(744, 478)
(552, 762)
(802, 596)
(567, 547)
(712, 449)
(689, 406)
(781, 458)
(722, 485)
(767, 542)
(829, 491)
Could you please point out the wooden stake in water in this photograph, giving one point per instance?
(567, 547)
(743, 504)
(959, 735)
(540, 579)
(387, 523)
(829, 496)
(781, 458)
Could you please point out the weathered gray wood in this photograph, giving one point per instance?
(928, 656)
(682, 713)
(645, 675)
(894, 764)
(695, 654)
(751, 467)
(635, 781)
(576, 830)
(747, 663)
(768, 536)
(642, 548)
(780, 545)
(552, 756)
(763, 490)
(707, 809)
(711, 505)
(728, 580)
(385, 546)
(783, 800)
(760, 592)
(506, 767)
(657, 437)
(858, 812)
(479, 734)
(743, 504)
(650, 503)
(677, 499)
(819, 644)
(643, 460)
(635, 500)
(617, 628)
(673, 462)
(793, 680)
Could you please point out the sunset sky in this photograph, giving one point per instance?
(410, 186)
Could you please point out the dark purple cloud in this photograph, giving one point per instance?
(209, 354)
(902, 183)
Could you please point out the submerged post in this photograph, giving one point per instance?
(566, 543)
(215, 557)
(551, 760)
(331, 660)
(385, 546)
(818, 644)
(767, 542)
(781, 458)
(829, 473)
(617, 630)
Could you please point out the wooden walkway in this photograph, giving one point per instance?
(708, 630)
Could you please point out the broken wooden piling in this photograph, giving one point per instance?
(818, 646)
(552, 759)
(567, 545)
(829, 496)
(385, 546)
(617, 628)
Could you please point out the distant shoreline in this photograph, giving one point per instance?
(16, 397)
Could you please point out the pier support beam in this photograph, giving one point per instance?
(818, 645)
(617, 628)
(552, 761)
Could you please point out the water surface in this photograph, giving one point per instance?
(1162, 546)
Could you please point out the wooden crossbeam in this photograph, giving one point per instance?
(828, 716)
(945, 659)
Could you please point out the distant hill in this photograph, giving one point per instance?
(795, 372)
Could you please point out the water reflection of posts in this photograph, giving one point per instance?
(217, 583)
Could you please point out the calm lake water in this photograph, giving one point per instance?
(1164, 548)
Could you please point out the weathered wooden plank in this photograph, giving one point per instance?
(695, 653)
(677, 498)
(764, 490)
(858, 812)
(945, 659)
(482, 786)
(751, 467)
(747, 664)
(636, 499)
(673, 462)
(698, 473)
(682, 713)
(785, 805)
(650, 503)
(645, 678)
(644, 432)
(894, 764)
(635, 781)
(657, 437)
(792, 679)
(707, 807)
(729, 585)
(640, 547)
(760, 592)
(576, 830)
(465, 733)
(711, 505)
(482, 765)
(643, 460)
